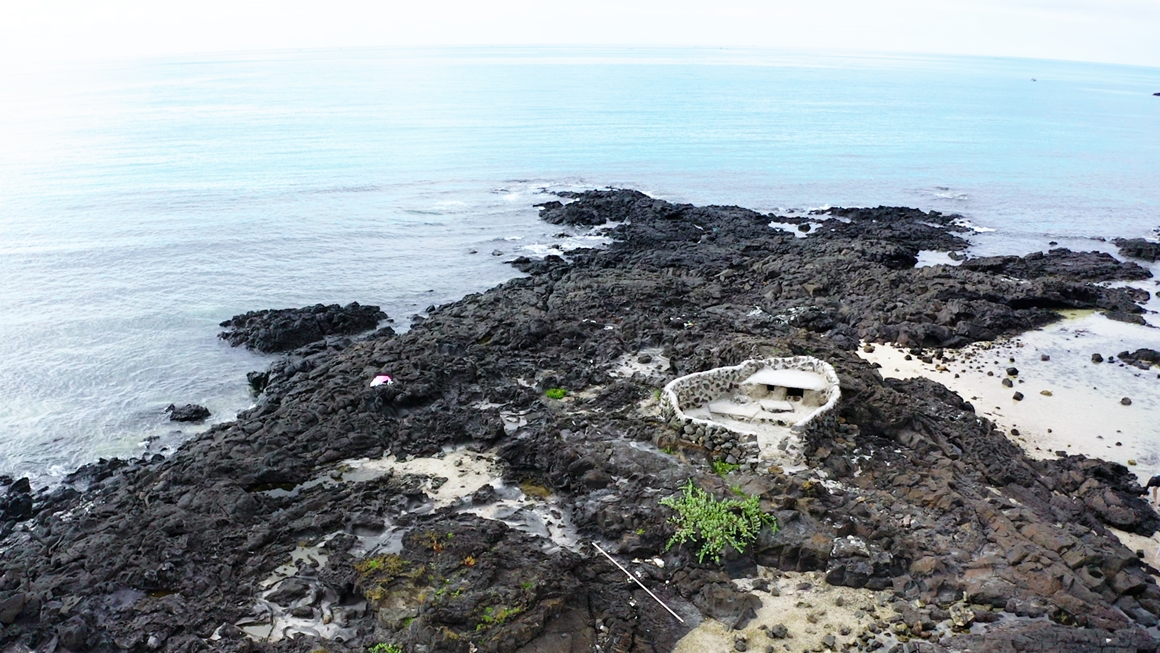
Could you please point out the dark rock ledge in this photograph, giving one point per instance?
(285, 329)
(951, 522)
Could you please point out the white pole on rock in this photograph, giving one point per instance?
(637, 581)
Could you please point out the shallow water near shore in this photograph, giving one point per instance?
(142, 202)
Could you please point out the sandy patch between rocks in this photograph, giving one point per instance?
(463, 472)
(809, 615)
(1149, 545)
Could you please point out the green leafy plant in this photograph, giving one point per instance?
(721, 468)
(383, 647)
(715, 523)
(556, 393)
(496, 616)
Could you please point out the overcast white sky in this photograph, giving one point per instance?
(1116, 31)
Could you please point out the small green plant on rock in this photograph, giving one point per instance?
(383, 647)
(721, 468)
(716, 523)
(556, 393)
(385, 565)
(496, 616)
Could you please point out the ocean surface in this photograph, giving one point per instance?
(144, 201)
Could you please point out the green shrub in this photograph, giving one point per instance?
(716, 523)
(556, 393)
(383, 647)
(721, 468)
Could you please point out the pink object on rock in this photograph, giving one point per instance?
(381, 379)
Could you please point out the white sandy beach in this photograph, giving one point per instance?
(1069, 403)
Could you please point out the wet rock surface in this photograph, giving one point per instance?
(187, 413)
(285, 329)
(255, 535)
(1138, 248)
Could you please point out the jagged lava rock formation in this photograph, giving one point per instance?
(909, 495)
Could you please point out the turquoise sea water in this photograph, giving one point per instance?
(142, 202)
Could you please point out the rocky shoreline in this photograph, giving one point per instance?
(344, 516)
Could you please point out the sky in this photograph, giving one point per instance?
(1111, 31)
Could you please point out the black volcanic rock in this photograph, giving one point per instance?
(911, 493)
(1144, 250)
(187, 413)
(1086, 266)
(271, 331)
(1143, 358)
(16, 502)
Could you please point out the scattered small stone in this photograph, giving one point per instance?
(1011, 371)
(908, 357)
(1018, 396)
(496, 252)
(1119, 444)
(869, 348)
(1007, 383)
(1126, 401)
(1096, 358)
(1014, 431)
(990, 374)
(829, 641)
(1131, 461)
(1044, 357)
(1045, 393)
(778, 631)
(804, 587)
(644, 359)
